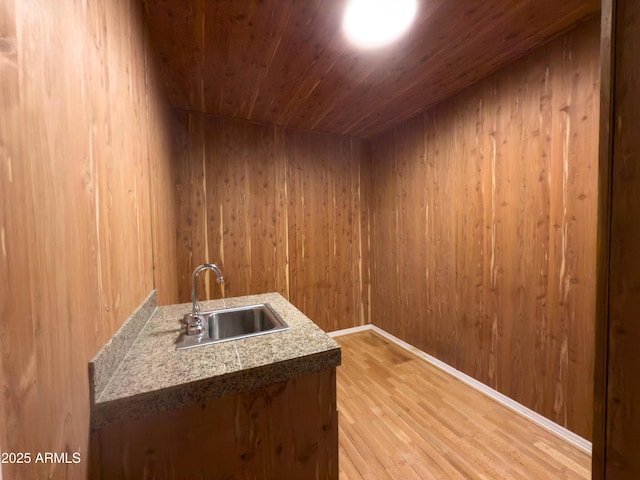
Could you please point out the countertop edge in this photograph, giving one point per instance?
(159, 401)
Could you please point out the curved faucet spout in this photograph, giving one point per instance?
(195, 324)
(194, 287)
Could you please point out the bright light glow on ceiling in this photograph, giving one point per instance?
(375, 23)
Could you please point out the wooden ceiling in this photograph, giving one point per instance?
(287, 62)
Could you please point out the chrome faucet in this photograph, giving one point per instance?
(194, 321)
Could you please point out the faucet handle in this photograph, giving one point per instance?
(195, 324)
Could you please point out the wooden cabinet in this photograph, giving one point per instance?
(287, 430)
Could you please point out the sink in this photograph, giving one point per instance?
(235, 323)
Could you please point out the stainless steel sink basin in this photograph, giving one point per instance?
(235, 323)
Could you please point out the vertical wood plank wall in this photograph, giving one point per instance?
(279, 209)
(483, 229)
(83, 136)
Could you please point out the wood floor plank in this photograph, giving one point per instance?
(403, 418)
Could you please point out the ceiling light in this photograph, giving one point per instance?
(375, 23)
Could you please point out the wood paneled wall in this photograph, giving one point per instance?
(85, 216)
(279, 210)
(483, 229)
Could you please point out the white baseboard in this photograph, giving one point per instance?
(565, 434)
(347, 331)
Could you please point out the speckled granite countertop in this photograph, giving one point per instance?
(152, 376)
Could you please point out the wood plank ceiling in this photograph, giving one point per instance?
(287, 62)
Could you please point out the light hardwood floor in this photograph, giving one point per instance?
(403, 418)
